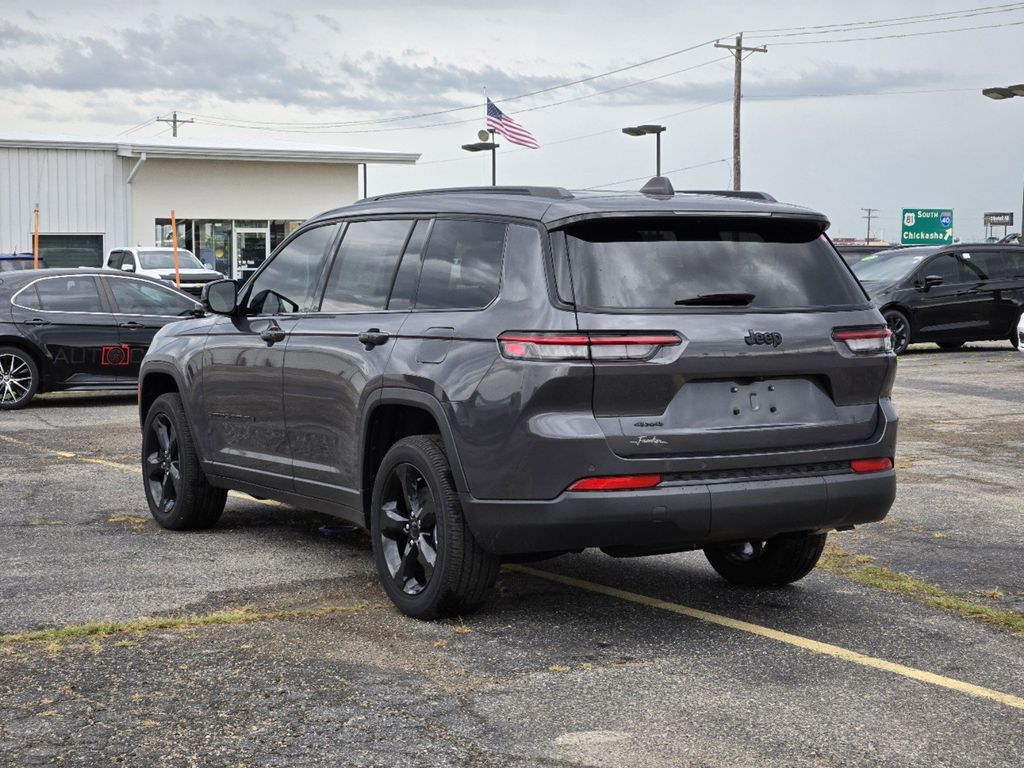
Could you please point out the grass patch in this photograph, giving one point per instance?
(862, 569)
(103, 629)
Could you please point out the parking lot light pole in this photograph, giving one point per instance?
(644, 130)
(483, 146)
(999, 94)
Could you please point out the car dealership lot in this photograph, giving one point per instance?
(268, 640)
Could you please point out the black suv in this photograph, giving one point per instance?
(478, 374)
(947, 294)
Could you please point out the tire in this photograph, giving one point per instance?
(950, 345)
(19, 378)
(168, 450)
(899, 324)
(1015, 334)
(416, 516)
(771, 563)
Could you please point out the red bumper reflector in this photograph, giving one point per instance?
(616, 483)
(863, 466)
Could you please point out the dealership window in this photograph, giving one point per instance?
(71, 250)
(163, 233)
(213, 244)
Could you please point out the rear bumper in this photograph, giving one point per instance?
(681, 516)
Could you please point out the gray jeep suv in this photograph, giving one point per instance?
(479, 374)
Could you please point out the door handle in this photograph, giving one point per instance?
(273, 334)
(373, 337)
(133, 325)
(38, 321)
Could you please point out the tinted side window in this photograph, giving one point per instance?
(136, 297)
(408, 275)
(69, 294)
(1015, 262)
(462, 265)
(987, 265)
(947, 267)
(287, 283)
(116, 258)
(365, 266)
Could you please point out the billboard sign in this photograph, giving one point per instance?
(927, 226)
(999, 219)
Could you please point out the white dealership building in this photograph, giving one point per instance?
(233, 201)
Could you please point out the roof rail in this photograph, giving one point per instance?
(556, 193)
(743, 193)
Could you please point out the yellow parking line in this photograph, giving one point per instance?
(71, 456)
(826, 649)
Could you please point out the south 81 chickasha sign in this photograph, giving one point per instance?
(927, 226)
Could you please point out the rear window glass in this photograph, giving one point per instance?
(705, 265)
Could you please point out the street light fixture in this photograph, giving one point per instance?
(483, 146)
(644, 130)
(1006, 93)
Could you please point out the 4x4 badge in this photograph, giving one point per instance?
(763, 337)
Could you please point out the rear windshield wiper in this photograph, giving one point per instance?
(717, 300)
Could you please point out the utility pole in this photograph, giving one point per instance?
(174, 120)
(870, 215)
(737, 51)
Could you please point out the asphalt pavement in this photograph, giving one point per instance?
(267, 640)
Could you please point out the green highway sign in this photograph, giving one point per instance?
(927, 226)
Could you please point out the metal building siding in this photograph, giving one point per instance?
(79, 191)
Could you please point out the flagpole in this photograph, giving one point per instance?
(494, 159)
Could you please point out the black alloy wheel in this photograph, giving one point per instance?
(19, 378)
(427, 558)
(900, 327)
(408, 530)
(163, 464)
(179, 495)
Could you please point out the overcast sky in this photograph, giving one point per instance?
(820, 124)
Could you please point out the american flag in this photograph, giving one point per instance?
(501, 123)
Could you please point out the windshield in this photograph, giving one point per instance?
(889, 266)
(704, 265)
(165, 260)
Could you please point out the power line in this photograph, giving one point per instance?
(138, 127)
(227, 124)
(666, 173)
(901, 35)
(452, 110)
(892, 21)
(568, 139)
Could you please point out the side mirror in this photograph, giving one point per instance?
(220, 297)
(930, 281)
(127, 267)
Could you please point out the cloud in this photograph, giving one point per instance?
(12, 34)
(243, 62)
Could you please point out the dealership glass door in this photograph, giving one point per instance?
(252, 246)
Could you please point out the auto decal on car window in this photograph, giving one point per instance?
(120, 354)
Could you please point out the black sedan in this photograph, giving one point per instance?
(80, 329)
(947, 294)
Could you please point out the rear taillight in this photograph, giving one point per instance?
(599, 347)
(864, 341)
(616, 483)
(863, 466)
